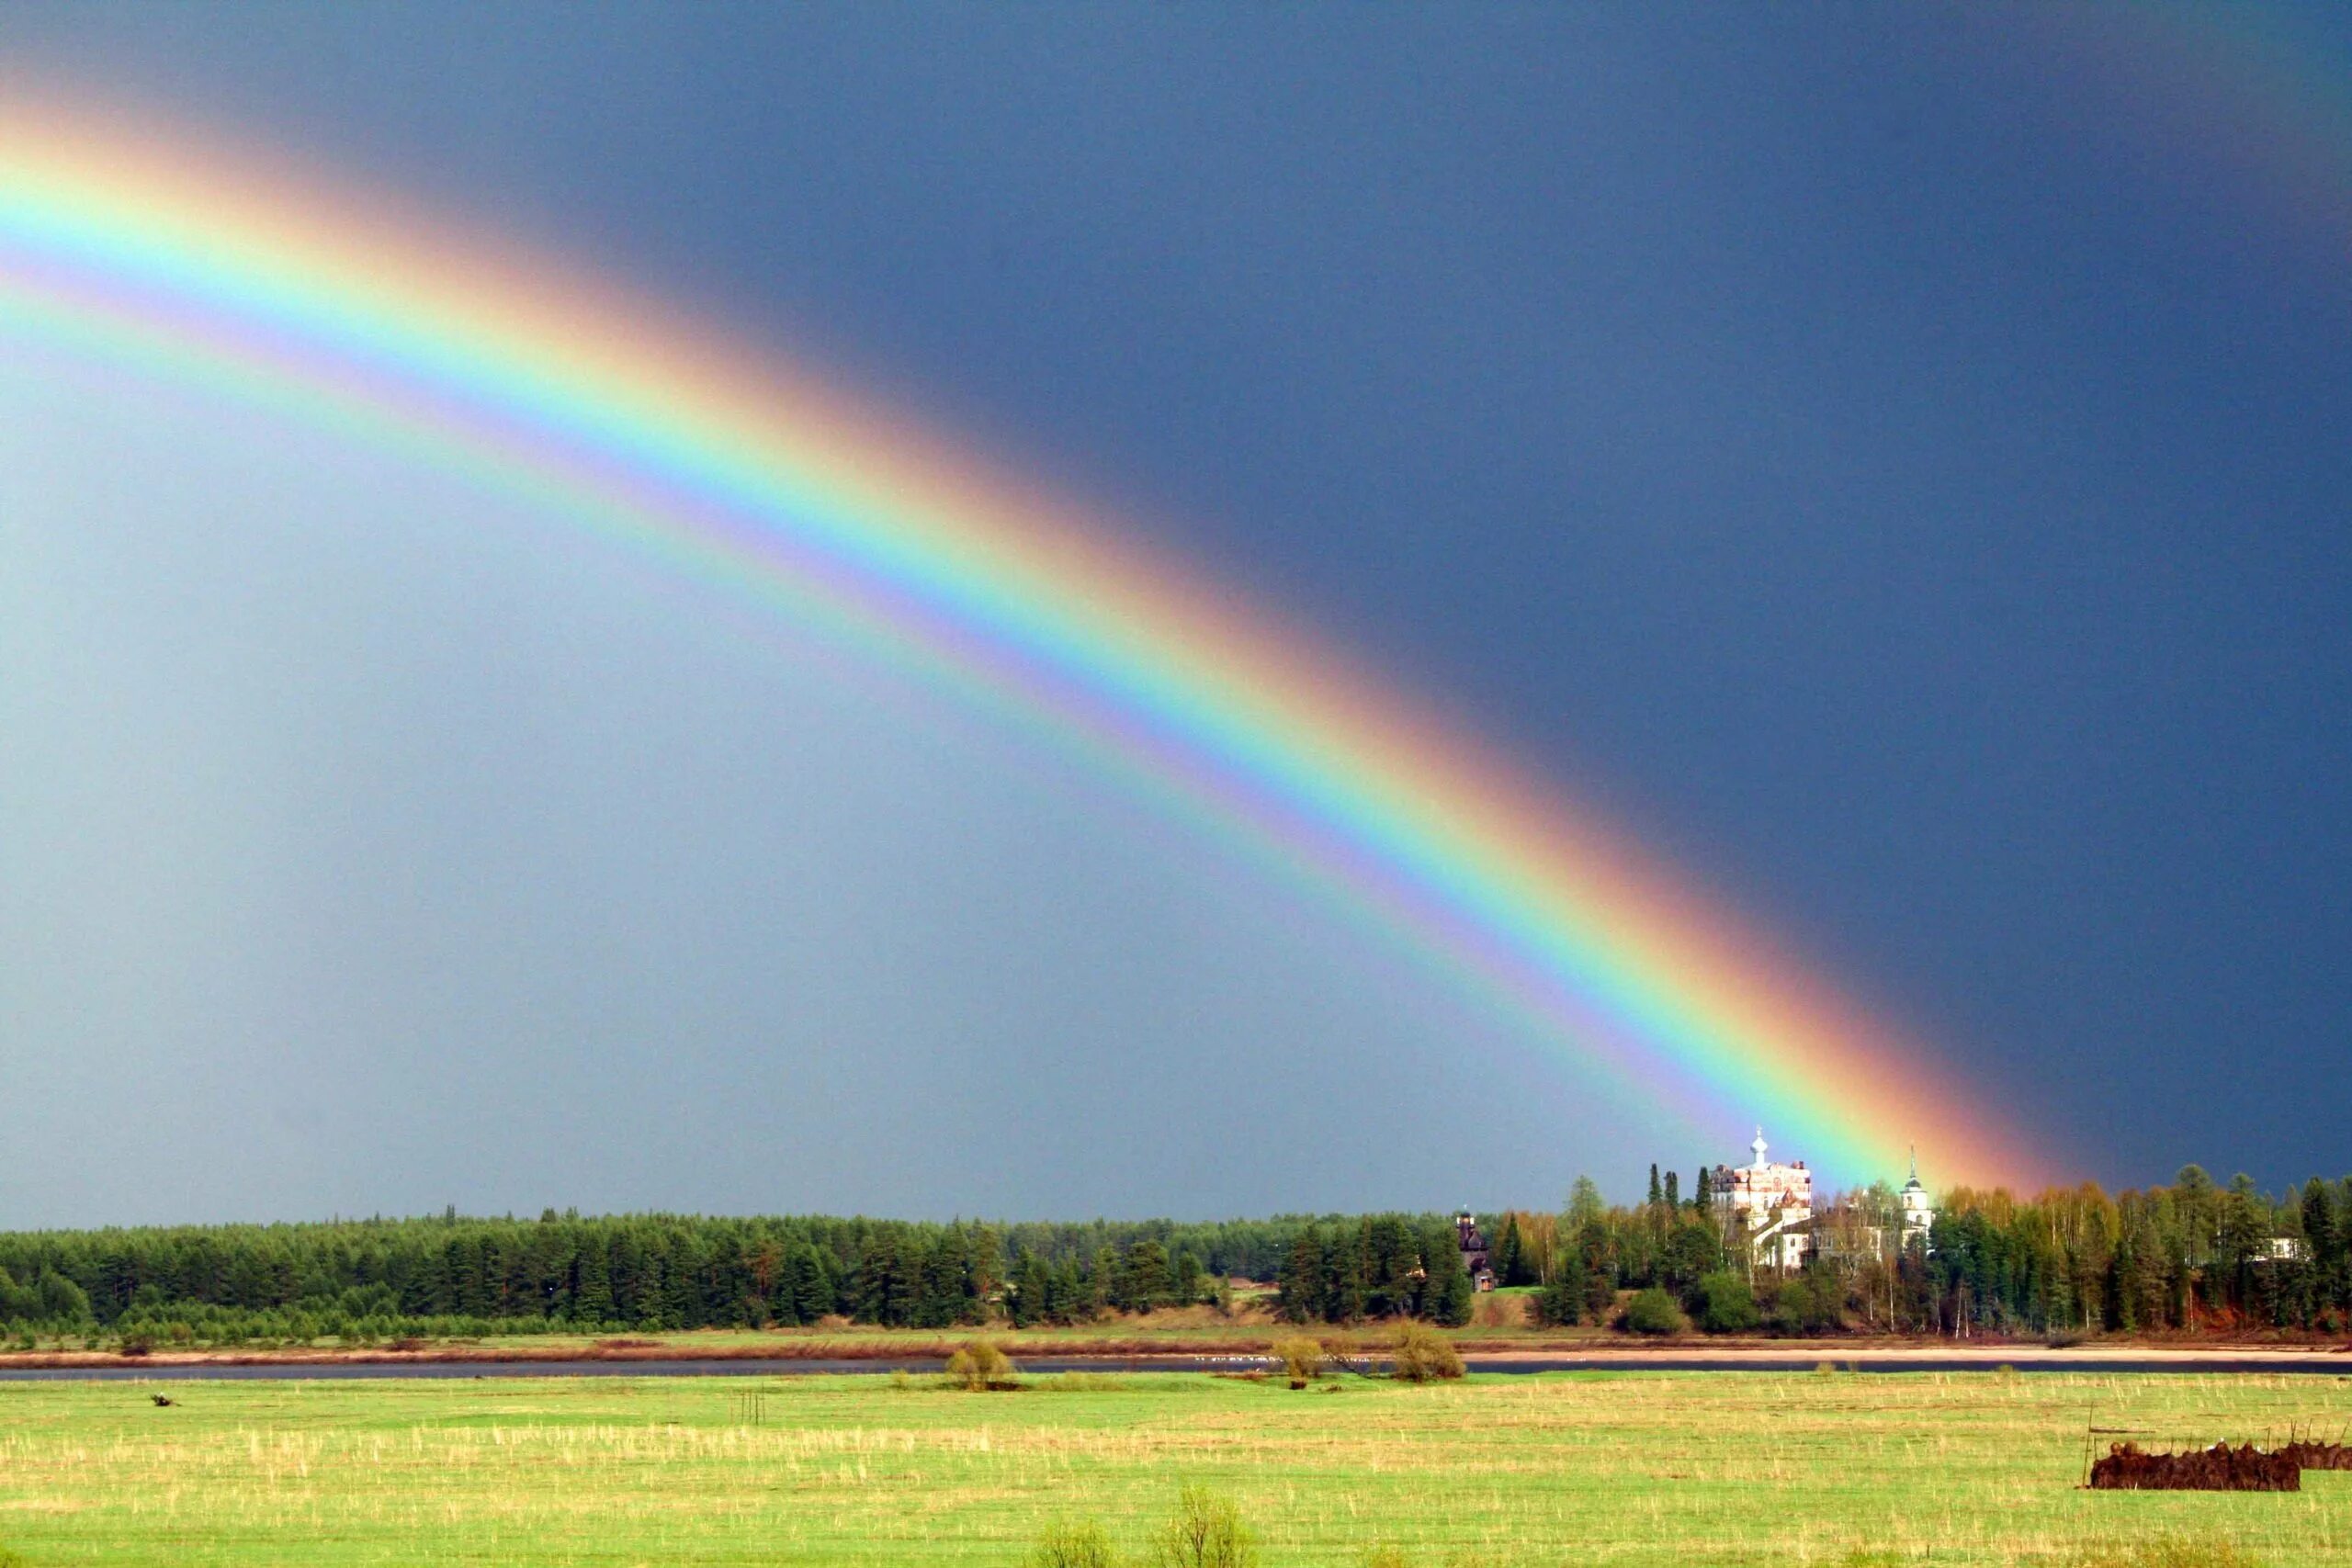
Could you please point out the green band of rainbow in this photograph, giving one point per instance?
(743, 476)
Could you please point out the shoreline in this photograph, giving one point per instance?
(1190, 1354)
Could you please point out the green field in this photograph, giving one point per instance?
(1583, 1468)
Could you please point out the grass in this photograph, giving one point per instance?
(1500, 1322)
(1658, 1469)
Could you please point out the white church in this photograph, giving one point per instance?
(1776, 1203)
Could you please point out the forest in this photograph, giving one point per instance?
(2193, 1257)
(377, 1279)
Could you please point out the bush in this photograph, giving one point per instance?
(1067, 1545)
(1808, 1304)
(1206, 1532)
(1654, 1311)
(979, 1366)
(1302, 1358)
(1727, 1304)
(1424, 1354)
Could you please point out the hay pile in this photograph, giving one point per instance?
(2130, 1467)
(2318, 1455)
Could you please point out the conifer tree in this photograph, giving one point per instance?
(784, 1289)
(591, 1290)
(1141, 1281)
(1450, 1291)
(687, 1301)
(814, 1294)
(1510, 1260)
(881, 1294)
(1301, 1295)
(1560, 1303)
(2319, 1236)
(937, 1294)
(1185, 1287)
(1073, 1298)
(1343, 1279)
(1030, 1301)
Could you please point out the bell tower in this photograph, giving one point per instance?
(1918, 1209)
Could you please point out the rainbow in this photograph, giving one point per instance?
(250, 282)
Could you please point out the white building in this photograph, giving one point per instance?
(1775, 1202)
(1918, 1209)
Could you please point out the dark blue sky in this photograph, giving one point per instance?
(1895, 458)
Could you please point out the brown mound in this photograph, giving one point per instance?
(2130, 1467)
(2318, 1455)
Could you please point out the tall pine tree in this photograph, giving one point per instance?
(1300, 1291)
(1449, 1291)
(1510, 1254)
(592, 1288)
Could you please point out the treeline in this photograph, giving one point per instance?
(380, 1279)
(2193, 1257)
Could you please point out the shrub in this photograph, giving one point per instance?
(1728, 1305)
(1302, 1358)
(1807, 1303)
(1206, 1532)
(1654, 1311)
(1424, 1354)
(1067, 1545)
(979, 1366)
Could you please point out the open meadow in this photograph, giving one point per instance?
(1640, 1468)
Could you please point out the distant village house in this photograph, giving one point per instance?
(1475, 1255)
